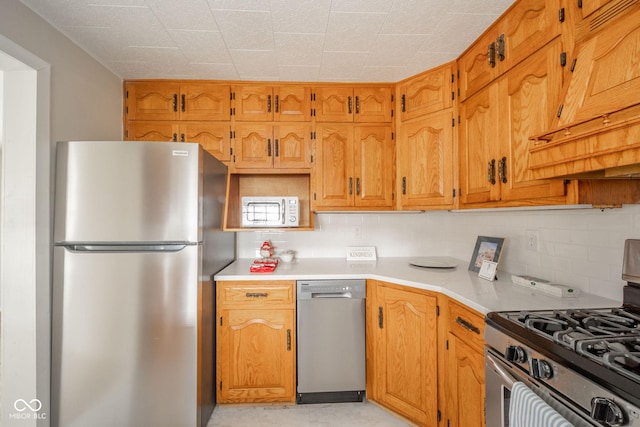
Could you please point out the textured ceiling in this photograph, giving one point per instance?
(271, 40)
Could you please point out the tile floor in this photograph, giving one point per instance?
(363, 414)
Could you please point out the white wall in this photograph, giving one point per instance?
(72, 97)
(581, 248)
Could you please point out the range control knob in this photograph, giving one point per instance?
(606, 411)
(541, 369)
(515, 354)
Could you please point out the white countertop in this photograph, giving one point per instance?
(458, 283)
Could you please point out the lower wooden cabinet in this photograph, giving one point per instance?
(463, 385)
(256, 342)
(403, 351)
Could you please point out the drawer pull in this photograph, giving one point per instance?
(256, 294)
(467, 325)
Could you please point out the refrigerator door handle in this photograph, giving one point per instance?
(171, 247)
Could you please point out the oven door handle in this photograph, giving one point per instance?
(508, 378)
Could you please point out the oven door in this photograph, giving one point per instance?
(500, 377)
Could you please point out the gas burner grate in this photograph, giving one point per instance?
(619, 353)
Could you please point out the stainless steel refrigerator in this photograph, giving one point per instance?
(138, 238)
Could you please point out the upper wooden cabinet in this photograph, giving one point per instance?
(213, 136)
(354, 166)
(348, 104)
(525, 28)
(425, 162)
(427, 92)
(166, 100)
(596, 131)
(281, 146)
(256, 103)
(495, 125)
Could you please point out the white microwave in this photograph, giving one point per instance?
(270, 211)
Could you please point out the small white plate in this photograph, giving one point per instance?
(433, 262)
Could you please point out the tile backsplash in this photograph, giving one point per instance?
(577, 247)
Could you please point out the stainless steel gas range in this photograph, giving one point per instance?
(581, 365)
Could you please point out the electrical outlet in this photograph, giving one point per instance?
(357, 232)
(532, 240)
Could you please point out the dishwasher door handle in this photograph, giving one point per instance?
(331, 295)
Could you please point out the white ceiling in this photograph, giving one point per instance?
(271, 40)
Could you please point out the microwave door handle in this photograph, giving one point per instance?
(284, 209)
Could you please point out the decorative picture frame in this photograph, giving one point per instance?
(487, 249)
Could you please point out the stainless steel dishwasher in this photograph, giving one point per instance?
(331, 341)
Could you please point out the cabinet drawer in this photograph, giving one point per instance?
(466, 324)
(247, 294)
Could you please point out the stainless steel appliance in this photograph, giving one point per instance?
(331, 341)
(137, 240)
(584, 363)
(270, 211)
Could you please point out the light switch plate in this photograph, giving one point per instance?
(361, 253)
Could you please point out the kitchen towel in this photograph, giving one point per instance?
(527, 409)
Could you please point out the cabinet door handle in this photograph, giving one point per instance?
(269, 147)
(468, 325)
(502, 170)
(277, 148)
(380, 318)
(175, 102)
(288, 339)
(404, 185)
(357, 105)
(500, 48)
(277, 104)
(357, 186)
(350, 185)
(491, 54)
(350, 102)
(182, 137)
(183, 102)
(175, 137)
(491, 172)
(256, 294)
(268, 103)
(403, 103)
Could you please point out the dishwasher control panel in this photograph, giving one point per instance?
(331, 289)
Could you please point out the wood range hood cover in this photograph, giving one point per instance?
(597, 130)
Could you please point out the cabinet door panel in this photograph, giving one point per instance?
(426, 161)
(152, 101)
(407, 359)
(256, 362)
(253, 103)
(373, 165)
(334, 104)
(465, 375)
(426, 93)
(205, 102)
(292, 146)
(292, 103)
(214, 137)
(334, 166)
(527, 27)
(475, 69)
(372, 105)
(152, 131)
(479, 147)
(253, 146)
(528, 102)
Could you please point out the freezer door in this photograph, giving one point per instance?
(125, 338)
(114, 191)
